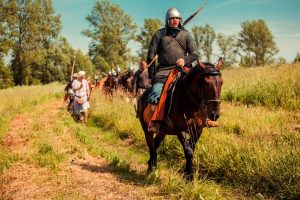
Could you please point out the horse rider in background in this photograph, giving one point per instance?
(175, 48)
(69, 92)
(141, 82)
(81, 96)
(126, 80)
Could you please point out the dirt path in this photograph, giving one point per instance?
(84, 177)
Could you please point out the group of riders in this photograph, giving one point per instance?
(175, 49)
(78, 90)
(177, 92)
(130, 82)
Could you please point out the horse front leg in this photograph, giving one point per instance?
(155, 142)
(153, 155)
(194, 137)
(189, 153)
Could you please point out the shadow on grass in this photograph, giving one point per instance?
(123, 172)
(127, 137)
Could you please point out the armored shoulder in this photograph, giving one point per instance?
(159, 34)
(154, 44)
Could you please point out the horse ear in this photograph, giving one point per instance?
(200, 64)
(219, 64)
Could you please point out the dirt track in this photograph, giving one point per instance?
(86, 177)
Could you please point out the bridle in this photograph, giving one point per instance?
(210, 71)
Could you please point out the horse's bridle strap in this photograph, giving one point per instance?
(205, 101)
(213, 101)
(190, 95)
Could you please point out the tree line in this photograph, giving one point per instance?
(30, 38)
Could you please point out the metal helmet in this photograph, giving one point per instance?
(130, 69)
(118, 70)
(114, 73)
(172, 12)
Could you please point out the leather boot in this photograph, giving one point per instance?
(153, 127)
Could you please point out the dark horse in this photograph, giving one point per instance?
(195, 104)
(109, 85)
(126, 81)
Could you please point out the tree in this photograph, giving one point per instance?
(59, 63)
(205, 37)
(281, 60)
(35, 25)
(256, 40)
(297, 58)
(247, 60)
(84, 63)
(227, 45)
(149, 29)
(5, 76)
(7, 10)
(111, 29)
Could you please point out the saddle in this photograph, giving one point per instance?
(165, 102)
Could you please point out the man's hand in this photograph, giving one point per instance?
(180, 62)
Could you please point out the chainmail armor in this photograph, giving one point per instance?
(169, 51)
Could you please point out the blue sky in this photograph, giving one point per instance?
(225, 16)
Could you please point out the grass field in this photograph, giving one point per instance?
(18, 99)
(271, 86)
(256, 148)
(253, 154)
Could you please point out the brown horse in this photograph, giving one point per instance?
(109, 85)
(194, 103)
(126, 81)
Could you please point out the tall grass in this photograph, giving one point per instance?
(123, 145)
(272, 86)
(254, 149)
(18, 99)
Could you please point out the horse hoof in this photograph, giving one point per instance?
(149, 170)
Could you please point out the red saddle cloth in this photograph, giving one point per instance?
(160, 109)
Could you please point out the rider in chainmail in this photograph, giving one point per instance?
(174, 46)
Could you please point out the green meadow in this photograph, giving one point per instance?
(253, 154)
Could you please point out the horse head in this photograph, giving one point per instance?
(205, 90)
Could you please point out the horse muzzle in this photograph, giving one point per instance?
(211, 120)
(211, 123)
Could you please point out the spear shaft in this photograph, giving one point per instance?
(194, 14)
(71, 77)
